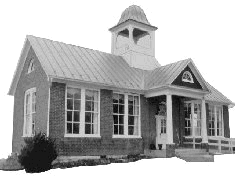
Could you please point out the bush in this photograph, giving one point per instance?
(38, 153)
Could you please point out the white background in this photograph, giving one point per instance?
(203, 30)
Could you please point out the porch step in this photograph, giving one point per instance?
(186, 151)
(194, 155)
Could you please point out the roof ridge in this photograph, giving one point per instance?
(72, 45)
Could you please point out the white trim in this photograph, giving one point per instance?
(48, 110)
(82, 113)
(169, 119)
(175, 90)
(29, 92)
(125, 135)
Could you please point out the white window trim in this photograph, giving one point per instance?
(82, 113)
(125, 135)
(192, 112)
(29, 91)
(215, 121)
(186, 80)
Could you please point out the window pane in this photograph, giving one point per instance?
(89, 95)
(88, 129)
(70, 104)
(130, 120)
(115, 119)
(88, 105)
(69, 115)
(121, 119)
(76, 128)
(115, 108)
(77, 94)
(121, 98)
(121, 109)
(95, 118)
(88, 117)
(115, 129)
(121, 129)
(136, 100)
(76, 116)
(115, 98)
(131, 130)
(130, 100)
(136, 110)
(77, 105)
(130, 109)
(69, 128)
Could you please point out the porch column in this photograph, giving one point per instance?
(169, 123)
(204, 127)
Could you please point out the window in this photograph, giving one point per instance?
(91, 112)
(215, 120)
(126, 115)
(192, 122)
(133, 114)
(31, 66)
(73, 110)
(118, 114)
(82, 112)
(29, 112)
(187, 77)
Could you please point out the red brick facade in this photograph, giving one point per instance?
(105, 145)
(37, 79)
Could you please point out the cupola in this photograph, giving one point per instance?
(134, 38)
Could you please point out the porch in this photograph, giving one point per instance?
(184, 120)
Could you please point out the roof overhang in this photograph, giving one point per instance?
(176, 90)
(133, 22)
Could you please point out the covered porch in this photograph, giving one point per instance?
(179, 119)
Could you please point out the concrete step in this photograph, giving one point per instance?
(190, 152)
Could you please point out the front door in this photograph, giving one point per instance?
(161, 131)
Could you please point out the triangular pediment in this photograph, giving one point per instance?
(190, 77)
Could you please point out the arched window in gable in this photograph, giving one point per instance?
(187, 77)
(31, 66)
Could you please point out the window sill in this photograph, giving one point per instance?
(126, 137)
(82, 135)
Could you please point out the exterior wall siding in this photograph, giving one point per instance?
(82, 146)
(37, 79)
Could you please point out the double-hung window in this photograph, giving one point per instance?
(215, 120)
(29, 112)
(82, 113)
(126, 115)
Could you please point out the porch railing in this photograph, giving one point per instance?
(216, 144)
(221, 144)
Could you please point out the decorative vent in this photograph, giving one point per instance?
(187, 77)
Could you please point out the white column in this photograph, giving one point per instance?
(169, 123)
(204, 127)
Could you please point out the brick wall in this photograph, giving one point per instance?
(37, 79)
(105, 145)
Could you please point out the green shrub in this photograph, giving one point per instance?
(38, 153)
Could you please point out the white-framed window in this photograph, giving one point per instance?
(187, 77)
(126, 115)
(29, 112)
(192, 115)
(82, 112)
(215, 120)
(31, 66)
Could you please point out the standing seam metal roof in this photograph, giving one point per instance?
(66, 61)
(78, 63)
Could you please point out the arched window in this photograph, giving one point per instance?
(187, 77)
(31, 66)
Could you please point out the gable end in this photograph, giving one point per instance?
(179, 82)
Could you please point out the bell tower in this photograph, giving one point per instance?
(133, 38)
